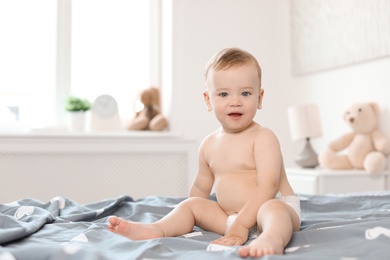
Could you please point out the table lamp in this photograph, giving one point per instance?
(305, 123)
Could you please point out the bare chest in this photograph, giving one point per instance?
(231, 156)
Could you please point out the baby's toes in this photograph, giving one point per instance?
(113, 222)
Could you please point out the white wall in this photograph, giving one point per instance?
(262, 27)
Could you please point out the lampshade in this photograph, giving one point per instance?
(304, 121)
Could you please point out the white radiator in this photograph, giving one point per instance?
(90, 168)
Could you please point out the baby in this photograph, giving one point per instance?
(242, 160)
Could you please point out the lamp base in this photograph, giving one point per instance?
(308, 158)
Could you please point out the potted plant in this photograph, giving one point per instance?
(76, 104)
(76, 108)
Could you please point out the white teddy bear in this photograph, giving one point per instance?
(366, 146)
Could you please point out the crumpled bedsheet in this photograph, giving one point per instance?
(333, 227)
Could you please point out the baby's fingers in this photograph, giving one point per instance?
(228, 241)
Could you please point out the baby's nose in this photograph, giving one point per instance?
(235, 102)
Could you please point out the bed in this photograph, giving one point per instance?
(347, 226)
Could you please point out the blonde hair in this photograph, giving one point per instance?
(231, 57)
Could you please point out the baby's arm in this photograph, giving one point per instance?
(268, 160)
(204, 179)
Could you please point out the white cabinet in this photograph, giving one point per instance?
(323, 181)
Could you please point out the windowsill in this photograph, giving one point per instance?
(65, 141)
(63, 133)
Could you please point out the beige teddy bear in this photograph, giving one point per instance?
(150, 117)
(366, 146)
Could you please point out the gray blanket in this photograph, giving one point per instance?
(333, 227)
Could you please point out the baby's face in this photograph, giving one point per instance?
(235, 95)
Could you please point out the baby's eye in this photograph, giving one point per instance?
(246, 93)
(223, 94)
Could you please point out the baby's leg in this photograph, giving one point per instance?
(194, 211)
(277, 221)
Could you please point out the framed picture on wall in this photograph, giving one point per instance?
(327, 34)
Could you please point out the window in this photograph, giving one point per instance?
(51, 49)
(27, 61)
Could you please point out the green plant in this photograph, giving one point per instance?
(73, 103)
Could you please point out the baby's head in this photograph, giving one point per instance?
(231, 57)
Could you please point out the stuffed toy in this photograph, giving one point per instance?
(365, 147)
(150, 117)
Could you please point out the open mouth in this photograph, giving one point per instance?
(235, 114)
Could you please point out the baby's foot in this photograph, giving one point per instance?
(133, 230)
(261, 246)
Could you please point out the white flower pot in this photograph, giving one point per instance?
(76, 121)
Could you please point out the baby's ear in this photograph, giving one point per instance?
(206, 98)
(260, 101)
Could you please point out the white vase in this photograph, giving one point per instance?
(76, 121)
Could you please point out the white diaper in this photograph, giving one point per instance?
(292, 201)
(253, 232)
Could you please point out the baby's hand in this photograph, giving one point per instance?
(230, 240)
(236, 235)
